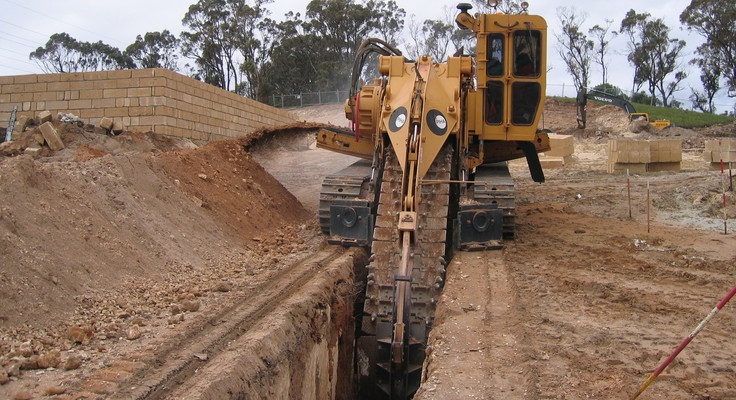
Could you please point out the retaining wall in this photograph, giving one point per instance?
(143, 100)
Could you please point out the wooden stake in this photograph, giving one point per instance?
(649, 208)
(723, 190)
(628, 189)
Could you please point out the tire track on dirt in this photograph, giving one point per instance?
(478, 347)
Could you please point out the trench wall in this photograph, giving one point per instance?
(143, 100)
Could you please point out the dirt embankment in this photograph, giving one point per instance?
(118, 237)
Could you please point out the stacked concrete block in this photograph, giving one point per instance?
(561, 150)
(666, 155)
(639, 156)
(718, 150)
(157, 100)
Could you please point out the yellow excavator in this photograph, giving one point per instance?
(603, 97)
(434, 138)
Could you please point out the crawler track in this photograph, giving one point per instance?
(494, 185)
(380, 378)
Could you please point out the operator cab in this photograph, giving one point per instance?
(511, 63)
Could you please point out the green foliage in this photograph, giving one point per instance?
(155, 50)
(654, 56)
(63, 53)
(317, 52)
(714, 20)
(224, 36)
(644, 98)
(612, 90)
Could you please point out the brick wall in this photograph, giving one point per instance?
(157, 100)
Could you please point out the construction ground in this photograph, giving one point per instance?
(144, 266)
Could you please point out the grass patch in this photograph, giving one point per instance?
(683, 118)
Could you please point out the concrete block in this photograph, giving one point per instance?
(22, 122)
(117, 127)
(621, 168)
(44, 116)
(560, 146)
(106, 123)
(552, 162)
(663, 166)
(717, 149)
(51, 136)
(33, 151)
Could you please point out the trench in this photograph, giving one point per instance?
(314, 350)
(302, 349)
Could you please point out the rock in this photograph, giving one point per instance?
(25, 349)
(202, 177)
(54, 390)
(80, 334)
(73, 362)
(224, 287)
(32, 151)
(13, 370)
(133, 332)
(190, 306)
(175, 309)
(22, 123)
(30, 363)
(51, 359)
(23, 395)
(4, 377)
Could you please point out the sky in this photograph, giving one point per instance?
(28, 24)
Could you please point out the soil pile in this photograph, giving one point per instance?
(114, 232)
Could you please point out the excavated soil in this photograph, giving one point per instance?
(115, 247)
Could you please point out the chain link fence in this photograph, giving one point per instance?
(308, 99)
(339, 96)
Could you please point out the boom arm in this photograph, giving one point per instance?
(584, 95)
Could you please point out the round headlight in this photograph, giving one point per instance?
(440, 121)
(400, 120)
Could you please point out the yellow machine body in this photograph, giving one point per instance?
(437, 135)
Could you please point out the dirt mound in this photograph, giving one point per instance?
(114, 229)
(607, 121)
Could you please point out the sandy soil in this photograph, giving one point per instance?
(115, 244)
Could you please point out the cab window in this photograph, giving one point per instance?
(525, 98)
(527, 50)
(495, 55)
(494, 102)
